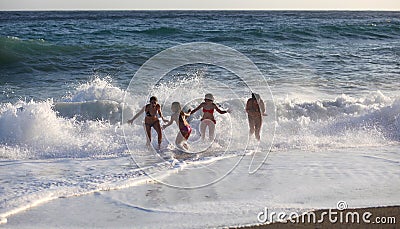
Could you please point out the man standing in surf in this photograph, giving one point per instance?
(255, 109)
(151, 119)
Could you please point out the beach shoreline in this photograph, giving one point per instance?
(375, 217)
(233, 202)
(68, 218)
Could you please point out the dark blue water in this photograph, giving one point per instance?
(43, 54)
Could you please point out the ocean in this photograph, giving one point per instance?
(69, 80)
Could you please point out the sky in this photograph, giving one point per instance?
(393, 5)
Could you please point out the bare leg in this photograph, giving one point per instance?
(251, 125)
(181, 142)
(203, 126)
(258, 123)
(211, 130)
(147, 129)
(258, 137)
(157, 127)
(179, 139)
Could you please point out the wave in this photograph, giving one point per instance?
(95, 100)
(33, 51)
(92, 110)
(34, 130)
(88, 123)
(345, 122)
(82, 125)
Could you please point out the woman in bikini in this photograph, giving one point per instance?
(208, 119)
(255, 109)
(184, 128)
(151, 119)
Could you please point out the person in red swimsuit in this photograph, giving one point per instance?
(180, 118)
(151, 119)
(208, 119)
(255, 109)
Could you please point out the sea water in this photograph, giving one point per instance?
(332, 100)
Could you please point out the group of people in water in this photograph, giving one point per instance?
(255, 109)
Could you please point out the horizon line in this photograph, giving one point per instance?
(18, 10)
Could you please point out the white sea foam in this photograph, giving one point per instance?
(88, 123)
(33, 130)
(344, 122)
(96, 89)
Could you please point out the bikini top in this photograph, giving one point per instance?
(211, 111)
(148, 112)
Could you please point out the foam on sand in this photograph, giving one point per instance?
(320, 180)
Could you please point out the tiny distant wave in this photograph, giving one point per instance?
(161, 31)
(288, 34)
(308, 32)
(225, 38)
(373, 30)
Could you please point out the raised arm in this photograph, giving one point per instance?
(197, 108)
(173, 118)
(130, 121)
(219, 110)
